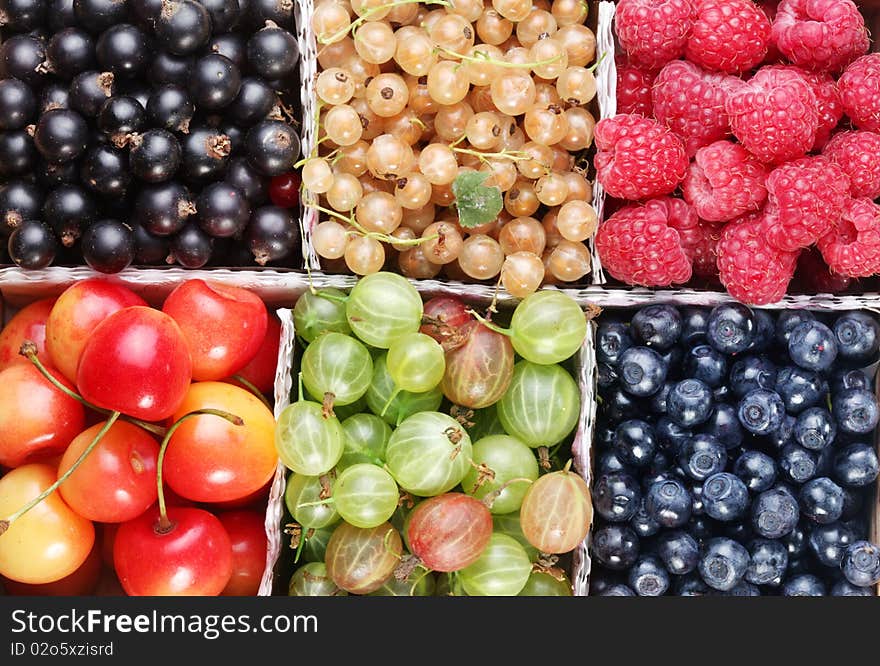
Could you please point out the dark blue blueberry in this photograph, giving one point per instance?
(812, 345)
(605, 437)
(787, 321)
(829, 542)
(821, 500)
(691, 585)
(689, 403)
(617, 590)
(673, 359)
(678, 551)
(701, 456)
(635, 443)
(657, 326)
(642, 371)
(609, 462)
(697, 507)
(765, 331)
(803, 585)
(700, 527)
(618, 405)
(725, 497)
(616, 496)
(723, 563)
(724, 425)
(742, 589)
(815, 428)
(694, 325)
(752, 372)
(855, 411)
(858, 337)
(670, 435)
(659, 463)
(643, 524)
(767, 563)
(797, 464)
(800, 388)
(795, 542)
(784, 434)
(615, 546)
(843, 588)
(657, 402)
(775, 513)
(842, 379)
(861, 564)
(761, 411)
(612, 339)
(649, 478)
(731, 328)
(668, 503)
(706, 364)
(756, 469)
(648, 577)
(606, 376)
(853, 501)
(856, 465)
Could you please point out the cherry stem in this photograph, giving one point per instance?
(488, 324)
(164, 523)
(6, 524)
(253, 389)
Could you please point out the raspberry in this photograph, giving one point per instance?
(820, 35)
(690, 102)
(852, 248)
(653, 32)
(640, 245)
(774, 114)
(859, 89)
(705, 259)
(728, 36)
(751, 270)
(804, 200)
(858, 154)
(812, 275)
(769, 9)
(637, 157)
(828, 102)
(633, 88)
(725, 181)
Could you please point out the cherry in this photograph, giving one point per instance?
(82, 581)
(247, 533)
(29, 323)
(260, 372)
(284, 190)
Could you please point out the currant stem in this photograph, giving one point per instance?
(253, 389)
(361, 231)
(164, 523)
(513, 155)
(373, 10)
(483, 58)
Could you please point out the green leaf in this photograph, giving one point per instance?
(476, 203)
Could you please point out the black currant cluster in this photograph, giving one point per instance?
(735, 453)
(147, 131)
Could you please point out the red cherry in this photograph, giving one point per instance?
(29, 323)
(284, 190)
(247, 533)
(261, 370)
(223, 326)
(191, 557)
(136, 362)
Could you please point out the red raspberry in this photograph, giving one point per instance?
(640, 245)
(653, 32)
(751, 270)
(827, 101)
(690, 102)
(633, 88)
(852, 248)
(812, 275)
(769, 9)
(859, 89)
(774, 114)
(728, 36)
(804, 200)
(858, 154)
(820, 35)
(637, 157)
(725, 181)
(705, 258)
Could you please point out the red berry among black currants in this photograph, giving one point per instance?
(272, 147)
(272, 52)
(222, 209)
(284, 190)
(89, 90)
(123, 50)
(70, 52)
(32, 245)
(18, 104)
(183, 26)
(108, 246)
(155, 155)
(163, 209)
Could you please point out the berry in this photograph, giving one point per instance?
(272, 53)
(761, 411)
(856, 465)
(724, 425)
(689, 403)
(728, 36)
(799, 388)
(635, 443)
(183, 26)
(642, 371)
(654, 32)
(756, 470)
(787, 321)
(167, 68)
(222, 210)
(723, 563)
(774, 114)
(617, 590)
(617, 496)
(830, 541)
(844, 588)
(768, 560)
(191, 247)
(706, 364)
(803, 585)
(121, 116)
(843, 378)
(855, 411)
(70, 52)
(272, 147)
(813, 346)
(691, 585)
(695, 324)
(68, 210)
(254, 101)
(272, 234)
(705, 257)
(108, 246)
(19, 201)
(225, 14)
(821, 500)
(123, 50)
(725, 497)
(657, 326)
(32, 245)
(612, 339)
(155, 155)
(820, 34)
(98, 15)
(89, 90)
(670, 435)
(724, 182)
(861, 564)
(852, 246)
(615, 547)
(731, 328)
(859, 89)
(813, 276)
(205, 154)
(215, 82)
(828, 104)
(678, 551)
(171, 108)
(815, 429)
(638, 158)
(701, 456)
(858, 337)
(752, 372)
(648, 577)
(668, 503)
(18, 104)
(775, 513)
(240, 173)
(105, 170)
(633, 87)
(61, 135)
(21, 57)
(797, 464)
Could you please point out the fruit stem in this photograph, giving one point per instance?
(369, 12)
(6, 524)
(322, 502)
(488, 324)
(164, 523)
(391, 398)
(513, 155)
(299, 381)
(482, 57)
(592, 68)
(253, 389)
(489, 499)
(359, 230)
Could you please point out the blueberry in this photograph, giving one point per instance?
(620, 405)
(812, 345)
(856, 465)
(858, 337)
(615, 546)
(612, 339)
(784, 434)
(668, 502)
(697, 507)
(764, 332)
(855, 411)
(723, 563)
(616, 496)
(691, 585)
(642, 371)
(722, 393)
(605, 436)
(657, 326)
(706, 364)
(829, 542)
(821, 500)
(694, 325)
(815, 428)
(701, 456)
(724, 425)
(742, 589)
(797, 464)
(635, 443)
(659, 464)
(750, 373)
(643, 524)
(787, 321)
(648, 577)
(775, 513)
(799, 388)
(689, 403)
(767, 563)
(617, 590)
(757, 470)
(731, 328)
(803, 585)
(657, 403)
(843, 379)
(761, 411)
(844, 588)
(609, 462)
(678, 551)
(725, 497)
(606, 376)
(670, 435)
(861, 564)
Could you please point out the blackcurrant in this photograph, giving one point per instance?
(253, 103)
(19, 201)
(32, 245)
(108, 246)
(155, 155)
(21, 57)
(232, 45)
(272, 53)
(224, 14)
(70, 52)
(18, 104)
(68, 210)
(167, 68)
(183, 26)
(61, 15)
(123, 50)
(272, 147)
(191, 247)
(277, 11)
(205, 154)
(163, 209)
(140, 91)
(215, 82)
(120, 117)
(272, 234)
(89, 90)
(222, 210)
(55, 95)
(105, 170)
(236, 134)
(147, 11)
(61, 135)
(254, 185)
(98, 15)
(52, 174)
(17, 153)
(22, 15)
(148, 249)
